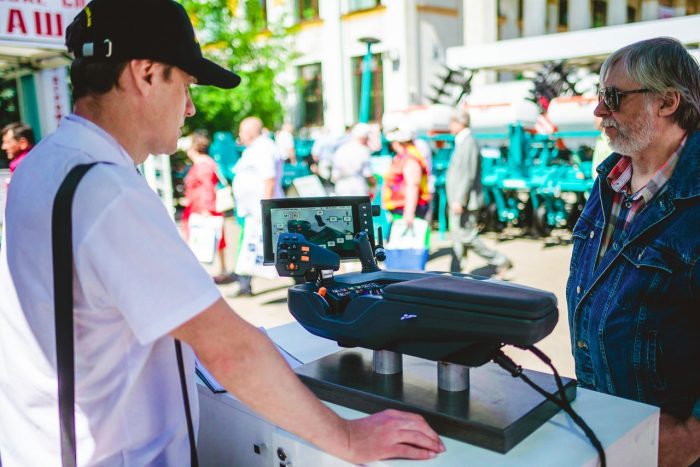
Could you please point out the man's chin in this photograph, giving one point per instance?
(616, 147)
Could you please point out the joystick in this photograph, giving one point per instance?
(364, 252)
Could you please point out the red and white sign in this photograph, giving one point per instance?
(38, 23)
(52, 97)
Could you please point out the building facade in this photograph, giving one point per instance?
(412, 35)
(500, 40)
(521, 34)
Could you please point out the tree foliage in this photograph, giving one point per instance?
(237, 37)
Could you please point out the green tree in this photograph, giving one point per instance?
(245, 44)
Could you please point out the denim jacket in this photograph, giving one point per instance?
(635, 317)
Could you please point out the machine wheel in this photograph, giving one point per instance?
(575, 212)
(489, 217)
(541, 227)
(525, 217)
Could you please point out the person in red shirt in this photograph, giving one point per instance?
(17, 141)
(200, 193)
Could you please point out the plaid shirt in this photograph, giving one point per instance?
(626, 206)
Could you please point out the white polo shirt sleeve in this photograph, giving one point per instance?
(268, 166)
(132, 257)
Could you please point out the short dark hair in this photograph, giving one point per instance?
(19, 130)
(90, 77)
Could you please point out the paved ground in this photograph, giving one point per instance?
(536, 264)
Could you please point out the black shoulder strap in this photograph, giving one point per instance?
(62, 246)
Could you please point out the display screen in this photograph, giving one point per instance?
(330, 222)
(329, 227)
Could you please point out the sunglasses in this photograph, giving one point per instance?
(611, 96)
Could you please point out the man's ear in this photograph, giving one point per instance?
(140, 74)
(670, 101)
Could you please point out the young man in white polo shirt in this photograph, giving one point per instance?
(137, 287)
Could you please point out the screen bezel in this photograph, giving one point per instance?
(316, 202)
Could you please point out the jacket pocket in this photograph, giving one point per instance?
(651, 257)
(652, 356)
(655, 269)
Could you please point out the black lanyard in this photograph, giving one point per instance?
(62, 246)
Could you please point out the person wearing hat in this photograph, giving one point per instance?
(405, 191)
(351, 172)
(137, 286)
(465, 198)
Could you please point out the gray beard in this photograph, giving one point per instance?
(634, 138)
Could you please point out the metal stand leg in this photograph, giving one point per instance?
(386, 362)
(453, 377)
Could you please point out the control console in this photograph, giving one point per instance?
(449, 317)
(296, 257)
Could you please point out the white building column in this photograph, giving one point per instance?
(411, 35)
(616, 12)
(552, 16)
(649, 10)
(480, 27)
(334, 70)
(480, 21)
(401, 58)
(509, 28)
(579, 15)
(534, 17)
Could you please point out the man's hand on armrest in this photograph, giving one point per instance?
(249, 366)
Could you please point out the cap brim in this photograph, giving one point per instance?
(209, 73)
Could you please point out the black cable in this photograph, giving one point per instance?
(562, 402)
(542, 356)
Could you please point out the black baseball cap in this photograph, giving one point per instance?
(160, 30)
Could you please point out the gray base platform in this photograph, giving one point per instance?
(496, 413)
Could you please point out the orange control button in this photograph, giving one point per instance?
(322, 291)
(305, 249)
(304, 258)
(292, 266)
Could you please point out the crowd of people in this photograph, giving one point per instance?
(344, 167)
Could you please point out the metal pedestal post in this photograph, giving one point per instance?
(452, 377)
(386, 362)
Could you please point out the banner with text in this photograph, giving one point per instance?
(37, 23)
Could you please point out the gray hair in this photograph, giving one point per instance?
(460, 115)
(663, 64)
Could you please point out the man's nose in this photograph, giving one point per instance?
(601, 110)
(190, 109)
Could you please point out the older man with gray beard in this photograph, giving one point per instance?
(634, 281)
